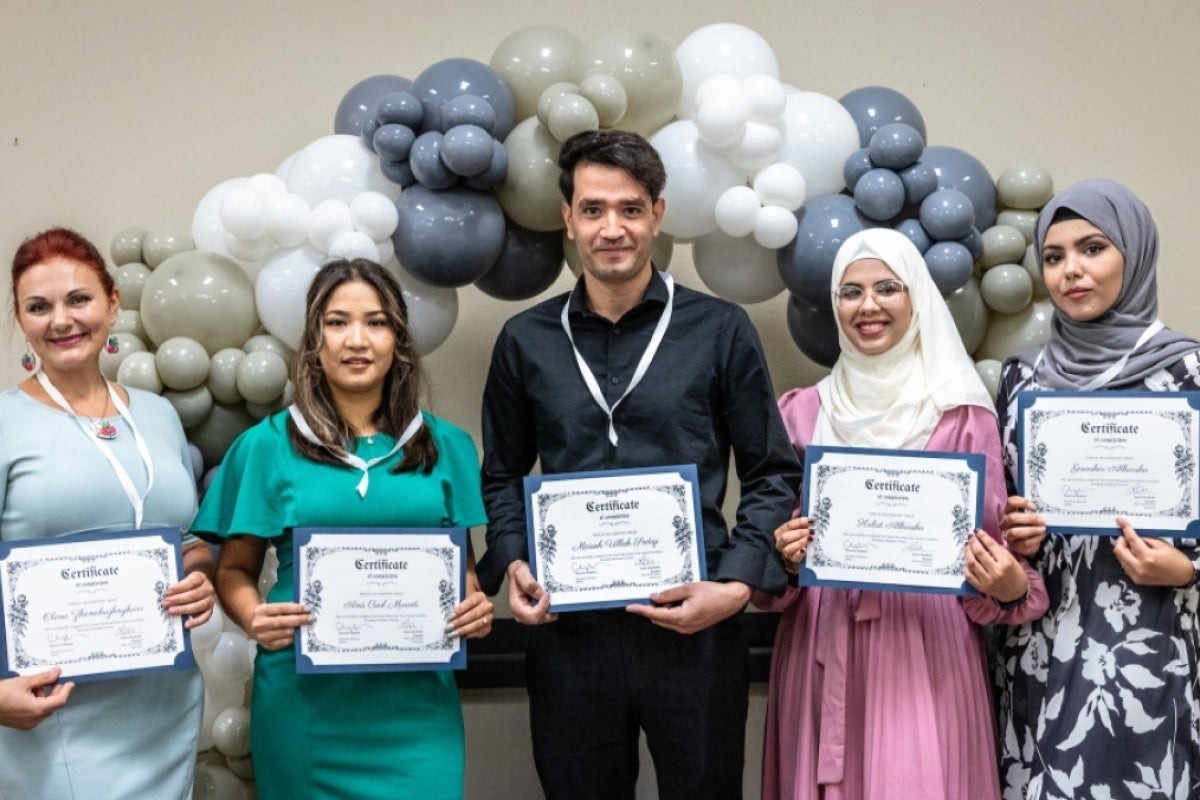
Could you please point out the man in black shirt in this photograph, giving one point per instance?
(677, 667)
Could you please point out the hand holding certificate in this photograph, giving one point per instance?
(92, 605)
(890, 519)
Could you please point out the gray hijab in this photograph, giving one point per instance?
(1077, 352)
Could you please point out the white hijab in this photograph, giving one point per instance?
(895, 399)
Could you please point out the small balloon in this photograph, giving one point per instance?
(231, 732)
(127, 344)
(1006, 288)
(374, 214)
(607, 96)
(222, 375)
(989, 371)
(947, 214)
(126, 247)
(288, 224)
(138, 371)
(426, 162)
(896, 145)
(192, 406)
(352, 245)
(1002, 244)
(950, 265)
(960, 170)
(261, 376)
(737, 211)
(879, 194)
(550, 95)
(496, 172)
(1024, 221)
(723, 48)
(1025, 185)
(1029, 264)
(570, 114)
(130, 279)
(467, 109)
(327, 222)
(182, 363)
(774, 227)
(264, 341)
(920, 181)
(857, 165)
(466, 150)
(912, 229)
(400, 108)
(393, 141)
(162, 243)
(130, 321)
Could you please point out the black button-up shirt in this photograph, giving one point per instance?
(707, 392)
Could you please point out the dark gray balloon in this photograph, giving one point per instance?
(960, 170)
(813, 327)
(973, 241)
(879, 194)
(857, 165)
(529, 263)
(916, 234)
(872, 107)
(425, 159)
(401, 108)
(950, 265)
(466, 150)
(806, 263)
(398, 172)
(496, 172)
(467, 109)
(947, 214)
(393, 141)
(367, 134)
(441, 82)
(896, 145)
(448, 238)
(360, 102)
(920, 181)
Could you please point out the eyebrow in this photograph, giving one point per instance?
(1081, 240)
(625, 201)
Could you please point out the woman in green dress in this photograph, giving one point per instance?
(354, 450)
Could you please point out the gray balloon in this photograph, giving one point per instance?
(496, 172)
(261, 376)
(165, 242)
(265, 341)
(896, 145)
(138, 371)
(529, 263)
(970, 314)
(947, 214)
(1006, 288)
(126, 246)
(130, 279)
(973, 241)
(214, 435)
(1024, 221)
(400, 108)
(857, 165)
(806, 263)
(361, 101)
(1030, 265)
(950, 265)
(263, 410)
(448, 238)
(393, 142)
(813, 328)
(193, 406)
(201, 295)
(960, 170)
(399, 172)
(467, 109)
(879, 194)
(912, 229)
(222, 375)
(1002, 244)
(466, 150)
(920, 181)
(127, 345)
(182, 363)
(441, 82)
(425, 159)
(872, 107)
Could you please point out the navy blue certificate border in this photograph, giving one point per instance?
(535, 482)
(813, 454)
(184, 659)
(1027, 399)
(454, 536)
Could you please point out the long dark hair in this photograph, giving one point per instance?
(402, 386)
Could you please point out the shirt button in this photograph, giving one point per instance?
(616, 331)
(615, 381)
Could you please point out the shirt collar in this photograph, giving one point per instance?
(656, 292)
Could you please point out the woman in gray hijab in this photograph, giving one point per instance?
(1099, 696)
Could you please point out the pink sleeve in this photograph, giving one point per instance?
(971, 429)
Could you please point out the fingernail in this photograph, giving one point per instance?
(450, 627)
(452, 634)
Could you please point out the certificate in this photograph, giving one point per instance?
(92, 604)
(607, 539)
(895, 520)
(1087, 457)
(379, 598)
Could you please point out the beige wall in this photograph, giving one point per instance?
(125, 113)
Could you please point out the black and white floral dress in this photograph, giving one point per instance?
(1098, 698)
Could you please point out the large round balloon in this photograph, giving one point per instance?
(361, 100)
(203, 296)
(646, 68)
(736, 268)
(452, 77)
(432, 310)
(529, 194)
(813, 327)
(280, 291)
(806, 264)
(818, 136)
(531, 60)
(448, 238)
(697, 175)
(720, 49)
(529, 263)
(875, 106)
(960, 170)
(337, 167)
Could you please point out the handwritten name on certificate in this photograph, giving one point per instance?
(607, 539)
(1087, 457)
(379, 598)
(92, 604)
(891, 519)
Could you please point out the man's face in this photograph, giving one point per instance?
(613, 222)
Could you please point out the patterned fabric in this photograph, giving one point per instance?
(1099, 697)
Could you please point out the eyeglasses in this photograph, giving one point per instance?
(885, 293)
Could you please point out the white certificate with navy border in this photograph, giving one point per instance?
(1085, 458)
(92, 604)
(894, 520)
(379, 598)
(614, 537)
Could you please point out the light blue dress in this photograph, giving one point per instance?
(125, 738)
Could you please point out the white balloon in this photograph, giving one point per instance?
(216, 782)
(765, 96)
(699, 175)
(204, 637)
(285, 167)
(737, 210)
(818, 136)
(432, 310)
(721, 120)
(337, 167)
(759, 146)
(280, 291)
(775, 227)
(737, 269)
(231, 732)
(387, 250)
(249, 250)
(780, 184)
(723, 48)
(288, 224)
(267, 183)
(328, 221)
(244, 212)
(243, 767)
(716, 86)
(352, 245)
(374, 214)
(208, 233)
(228, 661)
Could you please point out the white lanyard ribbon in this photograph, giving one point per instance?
(656, 338)
(1112, 372)
(136, 501)
(349, 458)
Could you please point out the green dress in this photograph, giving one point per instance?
(367, 735)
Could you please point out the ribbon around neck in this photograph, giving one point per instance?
(349, 458)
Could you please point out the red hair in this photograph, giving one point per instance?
(59, 243)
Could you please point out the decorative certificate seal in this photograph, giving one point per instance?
(611, 538)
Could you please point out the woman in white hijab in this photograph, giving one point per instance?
(879, 695)
(1112, 667)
